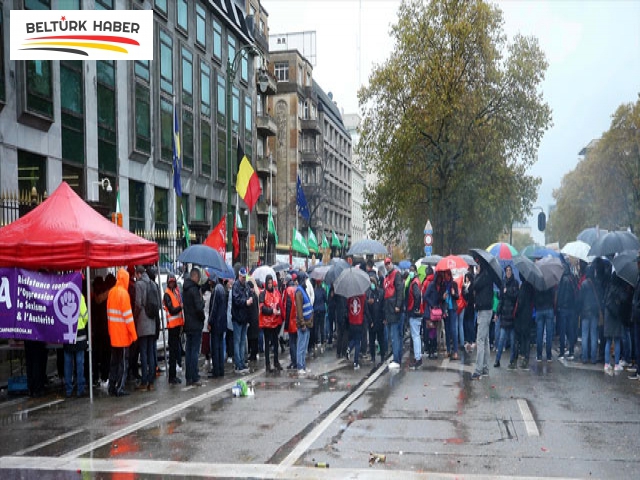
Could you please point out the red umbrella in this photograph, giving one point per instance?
(452, 262)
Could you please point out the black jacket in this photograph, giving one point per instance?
(508, 302)
(589, 301)
(373, 314)
(567, 291)
(319, 299)
(635, 304)
(193, 306)
(524, 309)
(483, 291)
(239, 309)
(218, 310)
(544, 300)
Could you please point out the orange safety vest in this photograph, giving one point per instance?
(122, 330)
(176, 320)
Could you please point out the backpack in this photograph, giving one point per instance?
(152, 304)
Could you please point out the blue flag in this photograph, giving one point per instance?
(303, 208)
(177, 161)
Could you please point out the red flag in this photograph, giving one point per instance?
(235, 240)
(217, 239)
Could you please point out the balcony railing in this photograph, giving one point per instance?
(311, 156)
(265, 166)
(310, 124)
(266, 125)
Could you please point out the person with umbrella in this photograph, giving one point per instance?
(241, 306)
(617, 308)
(590, 310)
(432, 299)
(319, 314)
(193, 323)
(543, 301)
(469, 313)
(304, 322)
(373, 315)
(355, 306)
(508, 297)
(450, 297)
(523, 317)
(290, 325)
(635, 318)
(393, 301)
(567, 316)
(483, 292)
(415, 311)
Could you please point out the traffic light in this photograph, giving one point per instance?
(542, 221)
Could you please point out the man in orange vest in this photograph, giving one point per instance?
(122, 332)
(172, 302)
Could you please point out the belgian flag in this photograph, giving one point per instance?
(247, 183)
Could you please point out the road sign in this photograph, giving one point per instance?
(428, 250)
(428, 228)
(428, 239)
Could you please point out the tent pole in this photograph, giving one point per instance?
(88, 299)
(163, 318)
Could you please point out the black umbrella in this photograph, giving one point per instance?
(469, 259)
(552, 270)
(530, 272)
(204, 256)
(489, 263)
(614, 242)
(626, 267)
(431, 260)
(337, 267)
(281, 266)
(367, 247)
(591, 234)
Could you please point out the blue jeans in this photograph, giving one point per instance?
(147, 346)
(355, 342)
(395, 332)
(191, 353)
(415, 323)
(303, 343)
(616, 350)
(293, 349)
(68, 371)
(589, 339)
(461, 327)
(544, 321)
(217, 354)
(239, 344)
(636, 341)
(505, 333)
(484, 350)
(451, 330)
(626, 344)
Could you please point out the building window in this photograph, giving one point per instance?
(236, 108)
(281, 71)
(37, 4)
(201, 26)
(101, 4)
(248, 115)
(201, 209)
(305, 110)
(166, 62)
(161, 204)
(300, 78)
(39, 87)
(222, 156)
(186, 140)
(187, 77)
(166, 129)
(205, 90)
(142, 139)
(244, 67)
(217, 40)
(308, 84)
(205, 146)
(136, 206)
(72, 108)
(216, 212)
(32, 172)
(2, 85)
(74, 176)
(231, 48)
(222, 101)
(183, 14)
(107, 154)
(161, 5)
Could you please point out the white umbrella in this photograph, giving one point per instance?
(261, 273)
(578, 249)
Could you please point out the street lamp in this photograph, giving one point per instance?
(232, 70)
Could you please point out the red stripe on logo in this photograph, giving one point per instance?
(105, 38)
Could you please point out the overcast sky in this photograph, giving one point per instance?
(593, 50)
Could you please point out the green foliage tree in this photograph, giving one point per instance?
(604, 188)
(451, 124)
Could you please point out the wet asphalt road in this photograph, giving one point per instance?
(559, 419)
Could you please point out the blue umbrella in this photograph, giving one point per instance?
(204, 256)
(404, 265)
(542, 252)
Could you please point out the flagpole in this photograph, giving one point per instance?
(175, 196)
(266, 252)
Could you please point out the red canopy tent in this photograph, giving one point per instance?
(65, 233)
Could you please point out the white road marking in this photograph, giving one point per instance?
(46, 443)
(138, 407)
(150, 420)
(39, 407)
(307, 441)
(527, 417)
(201, 469)
(457, 365)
